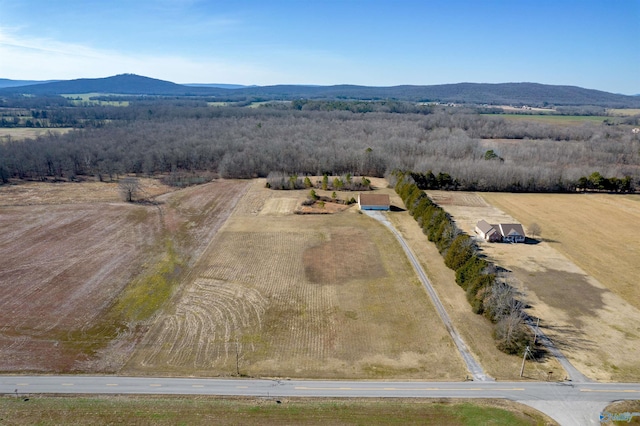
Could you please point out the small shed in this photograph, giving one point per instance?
(374, 202)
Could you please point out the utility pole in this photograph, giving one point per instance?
(526, 351)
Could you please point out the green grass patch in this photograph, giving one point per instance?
(198, 410)
(142, 298)
(85, 98)
(139, 301)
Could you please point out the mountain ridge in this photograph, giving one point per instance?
(525, 93)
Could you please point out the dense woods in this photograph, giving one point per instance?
(458, 146)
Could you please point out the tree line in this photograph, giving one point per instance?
(188, 137)
(489, 296)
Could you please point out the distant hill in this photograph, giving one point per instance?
(532, 94)
(218, 85)
(5, 82)
(124, 84)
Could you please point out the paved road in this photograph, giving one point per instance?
(568, 403)
(473, 366)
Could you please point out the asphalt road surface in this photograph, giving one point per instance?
(568, 403)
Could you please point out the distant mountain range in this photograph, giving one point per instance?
(532, 94)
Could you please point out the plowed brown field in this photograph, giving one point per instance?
(279, 294)
(69, 251)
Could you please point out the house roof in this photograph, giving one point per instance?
(374, 199)
(484, 226)
(511, 229)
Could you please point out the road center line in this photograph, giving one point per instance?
(610, 390)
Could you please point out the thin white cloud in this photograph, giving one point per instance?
(44, 59)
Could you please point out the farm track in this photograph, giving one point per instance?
(474, 367)
(279, 294)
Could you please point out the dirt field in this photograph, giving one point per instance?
(71, 253)
(582, 284)
(286, 295)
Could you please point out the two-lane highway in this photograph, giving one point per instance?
(569, 403)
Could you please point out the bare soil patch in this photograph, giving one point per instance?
(329, 296)
(71, 252)
(592, 316)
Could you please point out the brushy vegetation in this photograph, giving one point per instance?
(346, 182)
(487, 295)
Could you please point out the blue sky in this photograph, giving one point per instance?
(592, 44)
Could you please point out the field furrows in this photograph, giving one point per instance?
(69, 250)
(305, 296)
(207, 325)
(62, 265)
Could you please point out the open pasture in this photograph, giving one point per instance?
(285, 295)
(22, 133)
(579, 279)
(560, 120)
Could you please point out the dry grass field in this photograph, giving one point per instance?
(78, 267)
(474, 329)
(277, 294)
(580, 279)
(21, 133)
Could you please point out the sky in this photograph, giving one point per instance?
(588, 43)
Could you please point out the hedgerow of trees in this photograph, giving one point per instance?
(488, 296)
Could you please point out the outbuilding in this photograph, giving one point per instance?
(374, 202)
(488, 232)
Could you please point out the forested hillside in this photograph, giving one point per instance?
(473, 151)
(531, 94)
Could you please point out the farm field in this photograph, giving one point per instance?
(560, 120)
(277, 294)
(167, 410)
(474, 329)
(75, 263)
(21, 133)
(580, 279)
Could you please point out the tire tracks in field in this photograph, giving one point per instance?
(474, 367)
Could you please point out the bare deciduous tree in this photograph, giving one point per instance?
(535, 230)
(129, 187)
